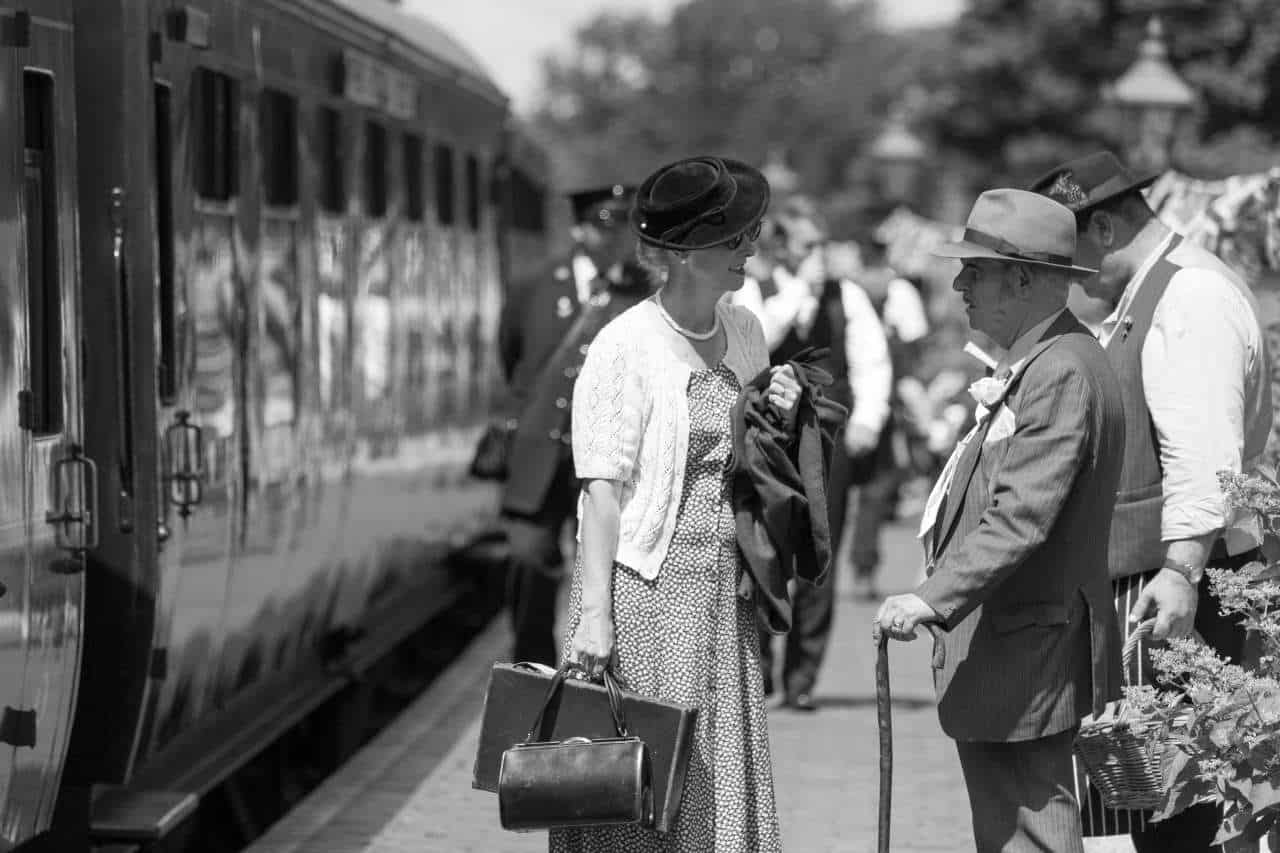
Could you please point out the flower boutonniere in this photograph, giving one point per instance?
(989, 393)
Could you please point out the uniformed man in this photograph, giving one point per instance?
(547, 323)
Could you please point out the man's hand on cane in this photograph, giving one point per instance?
(900, 615)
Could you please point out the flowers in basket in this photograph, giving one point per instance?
(1219, 719)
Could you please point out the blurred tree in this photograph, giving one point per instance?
(737, 77)
(1020, 88)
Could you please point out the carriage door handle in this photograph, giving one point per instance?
(75, 499)
(183, 455)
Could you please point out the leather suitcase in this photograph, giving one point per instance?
(516, 692)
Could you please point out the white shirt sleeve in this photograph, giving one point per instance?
(867, 351)
(1203, 342)
(793, 304)
(904, 311)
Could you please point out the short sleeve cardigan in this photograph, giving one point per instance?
(631, 418)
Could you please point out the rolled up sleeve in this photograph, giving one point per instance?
(608, 406)
(1194, 363)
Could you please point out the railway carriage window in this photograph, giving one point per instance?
(473, 192)
(333, 185)
(528, 203)
(444, 184)
(375, 169)
(43, 409)
(413, 200)
(214, 134)
(278, 126)
(167, 368)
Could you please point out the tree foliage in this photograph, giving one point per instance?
(1024, 78)
(735, 77)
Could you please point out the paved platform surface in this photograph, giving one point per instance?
(410, 789)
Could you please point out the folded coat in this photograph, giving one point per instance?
(780, 486)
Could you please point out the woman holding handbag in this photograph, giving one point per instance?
(655, 590)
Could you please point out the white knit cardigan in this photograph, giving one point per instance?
(631, 418)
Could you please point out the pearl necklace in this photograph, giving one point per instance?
(688, 333)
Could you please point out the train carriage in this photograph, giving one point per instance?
(249, 342)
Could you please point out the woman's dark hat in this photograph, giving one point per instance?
(1087, 182)
(698, 203)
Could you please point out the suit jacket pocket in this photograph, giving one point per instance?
(1017, 617)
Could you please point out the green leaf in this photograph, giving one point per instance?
(1182, 783)
(1236, 821)
(1263, 794)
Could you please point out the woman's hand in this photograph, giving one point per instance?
(784, 390)
(592, 645)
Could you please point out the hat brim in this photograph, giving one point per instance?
(1104, 193)
(963, 249)
(1140, 184)
(747, 207)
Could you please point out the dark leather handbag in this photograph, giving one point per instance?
(578, 781)
(493, 451)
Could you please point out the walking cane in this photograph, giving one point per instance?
(885, 719)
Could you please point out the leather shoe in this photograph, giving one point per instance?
(801, 702)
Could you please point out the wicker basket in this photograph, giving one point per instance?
(1122, 749)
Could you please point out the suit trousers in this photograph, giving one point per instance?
(537, 567)
(1022, 795)
(812, 607)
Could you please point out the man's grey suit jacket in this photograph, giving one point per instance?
(1019, 568)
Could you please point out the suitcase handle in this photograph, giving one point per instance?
(611, 688)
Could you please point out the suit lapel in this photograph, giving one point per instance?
(1065, 324)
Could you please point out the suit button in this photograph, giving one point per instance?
(583, 349)
(566, 440)
(562, 403)
(570, 372)
(554, 435)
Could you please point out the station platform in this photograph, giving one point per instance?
(409, 790)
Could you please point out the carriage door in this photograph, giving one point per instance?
(49, 500)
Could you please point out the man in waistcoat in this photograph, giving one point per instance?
(1015, 533)
(547, 323)
(1185, 340)
(800, 306)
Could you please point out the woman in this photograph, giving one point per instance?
(655, 587)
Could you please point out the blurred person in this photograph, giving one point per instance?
(655, 589)
(878, 476)
(1015, 534)
(573, 297)
(802, 306)
(1185, 339)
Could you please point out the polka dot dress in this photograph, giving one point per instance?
(688, 637)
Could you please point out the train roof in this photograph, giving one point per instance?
(423, 35)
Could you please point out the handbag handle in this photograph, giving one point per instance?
(612, 690)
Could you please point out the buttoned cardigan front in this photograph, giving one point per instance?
(631, 418)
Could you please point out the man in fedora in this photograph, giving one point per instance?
(547, 322)
(1015, 533)
(1185, 340)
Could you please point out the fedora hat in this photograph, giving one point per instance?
(1019, 227)
(699, 202)
(1089, 181)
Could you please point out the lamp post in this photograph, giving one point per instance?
(1152, 100)
(898, 154)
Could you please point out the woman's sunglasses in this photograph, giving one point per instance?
(753, 235)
